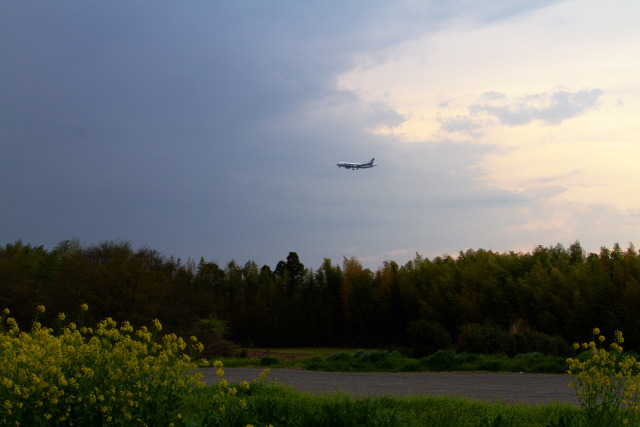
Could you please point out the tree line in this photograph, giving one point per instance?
(515, 301)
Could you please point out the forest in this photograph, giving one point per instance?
(478, 301)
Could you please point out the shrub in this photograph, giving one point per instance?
(442, 360)
(317, 363)
(410, 365)
(607, 383)
(529, 341)
(426, 338)
(534, 355)
(490, 365)
(82, 376)
(269, 360)
(487, 338)
(468, 357)
(338, 357)
(554, 366)
(210, 333)
(376, 355)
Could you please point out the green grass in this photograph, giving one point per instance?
(282, 406)
(338, 360)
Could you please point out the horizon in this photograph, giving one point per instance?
(194, 261)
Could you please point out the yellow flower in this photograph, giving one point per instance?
(6, 311)
(601, 338)
(576, 346)
(84, 307)
(596, 331)
(157, 325)
(61, 316)
(40, 308)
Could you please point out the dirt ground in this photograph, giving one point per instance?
(488, 386)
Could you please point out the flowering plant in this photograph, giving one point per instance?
(113, 374)
(607, 383)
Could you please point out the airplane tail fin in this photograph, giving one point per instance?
(371, 161)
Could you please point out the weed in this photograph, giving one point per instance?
(607, 383)
(269, 361)
(113, 374)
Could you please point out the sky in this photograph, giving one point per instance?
(212, 129)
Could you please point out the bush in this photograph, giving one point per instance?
(607, 383)
(317, 363)
(343, 356)
(210, 333)
(426, 338)
(410, 365)
(110, 375)
(534, 355)
(554, 366)
(487, 339)
(490, 365)
(376, 355)
(529, 340)
(468, 357)
(442, 360)
(269, 360)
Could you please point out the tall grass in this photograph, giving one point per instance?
(282, 406)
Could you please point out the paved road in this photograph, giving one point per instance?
(505, 387)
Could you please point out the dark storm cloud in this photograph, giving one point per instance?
(209, 128)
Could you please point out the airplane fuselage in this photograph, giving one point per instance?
(354, 166)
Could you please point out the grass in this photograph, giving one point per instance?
(450, 411)
(282, 406)
(339, 360)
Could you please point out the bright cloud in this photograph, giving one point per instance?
(556, 100)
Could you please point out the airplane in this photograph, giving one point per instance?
(354, 166)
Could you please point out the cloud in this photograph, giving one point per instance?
(497, 109)
(213, 130)
(551, 109)
(463, 124)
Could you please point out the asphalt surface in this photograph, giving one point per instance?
(487, 386)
